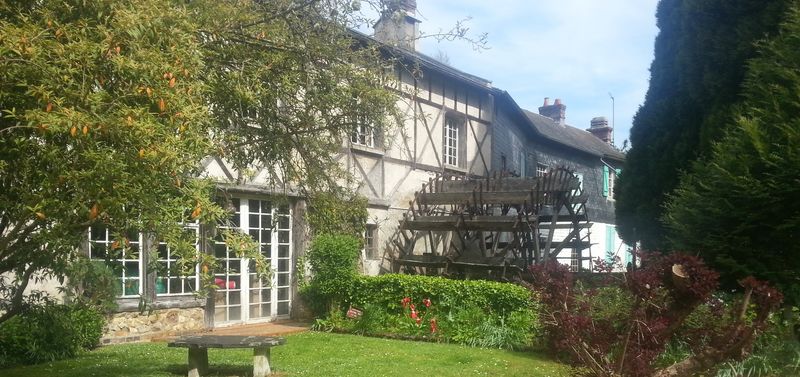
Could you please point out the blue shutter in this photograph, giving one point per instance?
(628, 255)
(611, 234)
(605, 180)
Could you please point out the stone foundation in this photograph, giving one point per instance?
(135, 326)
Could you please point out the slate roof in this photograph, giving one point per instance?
(546, 127)
(571, 136)
(425, 61)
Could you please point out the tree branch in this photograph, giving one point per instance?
(19, 293)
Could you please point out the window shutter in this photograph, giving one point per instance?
(605, 180)
(530, 165)
(611, 234)
(628, 255)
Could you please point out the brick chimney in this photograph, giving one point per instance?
(397, 25)
(557, 111)
(601, 129)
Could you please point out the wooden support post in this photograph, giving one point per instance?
(198, 361)
(261, 362)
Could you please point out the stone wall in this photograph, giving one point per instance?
(136, 326)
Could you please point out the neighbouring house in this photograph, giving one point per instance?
(546, 141)
(455, 123)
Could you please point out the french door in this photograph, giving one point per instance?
(241, 296)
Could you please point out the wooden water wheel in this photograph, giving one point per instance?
(493, 227)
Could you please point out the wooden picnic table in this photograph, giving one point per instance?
(198, 346)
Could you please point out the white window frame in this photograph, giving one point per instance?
(451, 143)
(280, 240)
(541, 169)
(363, 135)
(612, 183)
(103, 245)
(169, 260)
(371, 242)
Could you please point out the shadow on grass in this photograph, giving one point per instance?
(214, 370)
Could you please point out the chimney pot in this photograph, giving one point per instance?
(408, 5)
(557, 111)
(599, 128)
(397, 25)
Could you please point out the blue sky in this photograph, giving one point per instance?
(576, 50)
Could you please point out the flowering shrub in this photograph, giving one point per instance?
(420, 315)
(476, 313)
(660, 298)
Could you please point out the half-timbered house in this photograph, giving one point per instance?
(454, 124)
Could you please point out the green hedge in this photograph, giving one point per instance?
(448, 294)
(472, 312)
(50, 332)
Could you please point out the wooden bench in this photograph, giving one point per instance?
(198, 346)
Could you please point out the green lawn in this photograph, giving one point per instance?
(307, 354)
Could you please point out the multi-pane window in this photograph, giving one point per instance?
(169, 278)
(284, 259)
(363, 135)
(452, 141)
(242, 295)
(541, 170)
(259, 226)
(123, 256)
(370, 242)
(574, 260)
(227, 300)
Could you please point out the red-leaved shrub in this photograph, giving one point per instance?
(660, 297)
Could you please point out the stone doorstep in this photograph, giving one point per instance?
(120, 340)
(275, 328)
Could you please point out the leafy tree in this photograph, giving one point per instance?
(740, 207)
(696, 75)
(109, 106)
(103, 120)
(338, 213)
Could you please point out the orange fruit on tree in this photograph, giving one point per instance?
(196, 212)
(94, 211)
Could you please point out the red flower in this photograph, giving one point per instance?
(405, 301)
(419, 320)
(434, 328)
(414, 314)
(413, 307)
(427, 302)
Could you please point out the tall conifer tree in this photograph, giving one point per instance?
(696, 76)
